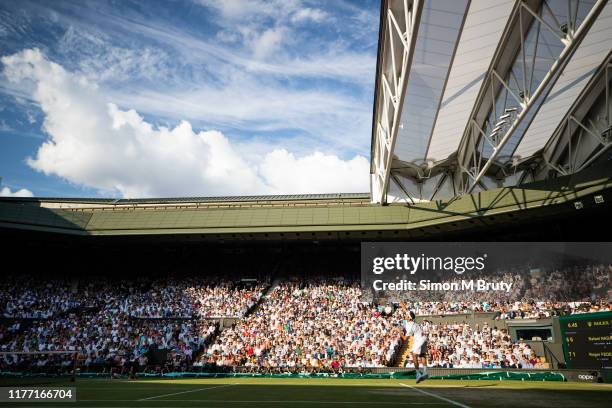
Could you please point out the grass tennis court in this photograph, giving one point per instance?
(295, 393)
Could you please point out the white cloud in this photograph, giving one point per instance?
(177, 74)
(293, 10)
(246, 102)
(228, 36)
(96, 144)
(31, 116)
(253, 9)
(315, 172)
(273, 31)
(6, 192)
(97, 59)
(5, 127)
(238, 22)
(307, 14)
(267, 42)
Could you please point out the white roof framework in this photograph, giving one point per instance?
(588, 57)
(484, 25)
(469, 92)
(438, 34)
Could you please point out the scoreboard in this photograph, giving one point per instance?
(587, 340)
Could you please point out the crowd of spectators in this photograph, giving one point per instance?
(320, 326)
(101, 321)
(571, 284)
(459, 345)
(8, 330)
(161, 298)
(109, 338)
(534, 294)
(29, 298)
(510, 310)
(225, 300)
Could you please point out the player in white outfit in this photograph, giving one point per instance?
(419, 344)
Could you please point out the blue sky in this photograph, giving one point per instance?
(193, 97)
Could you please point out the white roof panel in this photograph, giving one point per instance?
(439, 30)
(590, 54)
(482, 32)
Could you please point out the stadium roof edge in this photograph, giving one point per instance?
(589, 189)
(381, 28)
(210, 199)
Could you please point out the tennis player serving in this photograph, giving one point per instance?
(419, 343)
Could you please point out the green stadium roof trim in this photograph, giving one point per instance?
(306, 213)
(256, 198)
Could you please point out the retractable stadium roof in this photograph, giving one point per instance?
(474, 95)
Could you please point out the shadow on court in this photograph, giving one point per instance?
(295, 393)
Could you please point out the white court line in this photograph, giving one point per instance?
(185, 392)
(431, 394)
